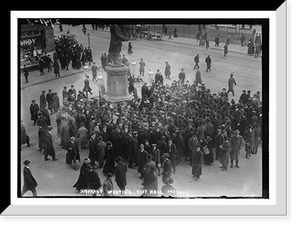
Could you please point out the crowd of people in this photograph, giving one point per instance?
(171, 124)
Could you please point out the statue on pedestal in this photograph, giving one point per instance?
(116, 39)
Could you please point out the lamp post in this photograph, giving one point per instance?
(88, 35)
(133, 64)
(150, 74)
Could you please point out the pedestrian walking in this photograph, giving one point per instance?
(175, 33)
(170, 34)
(81, 182)
(181, 76)
(168, 70)
(50, 99)
(231, 83)
(49, 149)
(43, 101)
(86, 87)
(217, 40)
(94, 71)
(196, 59)
(26, 73)
(34, 109)
(73, 153)
(228, 38)
(197, 163)
(235, 146)
(120, 173)
(93, 181)
(142, 67)
(108, 186)
(129, 48)
(93, 154)
(56, 68)
(30, 183)
(206, 44)
(224, 153)
(41, 66)
(208, 63)
(225, 49)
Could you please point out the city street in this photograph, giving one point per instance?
(56, 178)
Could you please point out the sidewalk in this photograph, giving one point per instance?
(35, 78)
(192, 42)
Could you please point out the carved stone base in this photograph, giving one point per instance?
(117, 83)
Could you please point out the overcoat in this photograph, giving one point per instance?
(235, 146)
(109, 166)
(34, 109)
(120, 173)
(142, 160)
(93, 180)
(82, 179)
(167, 171)
(49, 149)
(150, 183)
(197, 163)
(224, 150)
(73, 152)
(29, 181)
(64, 133)
(178, 141)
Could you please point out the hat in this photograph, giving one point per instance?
(153, 145)
(108, 144)
(33, 101)
(237, 131)
(89, 166)
(26, 162)
(86, 161)
(119, 159)
(141, 145)
(134, 132)
(109, 175)
(244, 90)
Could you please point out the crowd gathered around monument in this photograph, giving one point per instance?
(169, 125)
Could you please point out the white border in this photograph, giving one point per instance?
(274, 107)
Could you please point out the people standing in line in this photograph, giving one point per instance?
(208, 63)
(197, 163)
(26, 73)
(196, 59)
(34, 109)
(231, 82)
(30, 183)
(235, 142)
(168, 70)
(120, 173)
(142, 67)
(94, 71)
(224, 153)
(225, 49)
(181, 76)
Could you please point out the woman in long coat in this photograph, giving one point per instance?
(109, 166)
(82, 179)
(197, 163)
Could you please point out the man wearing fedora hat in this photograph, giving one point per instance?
(30, 183)
(120, 173)
(34, 109)
(235, 145)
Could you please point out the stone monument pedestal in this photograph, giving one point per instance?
(117, 83)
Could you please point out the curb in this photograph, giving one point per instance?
(56, 78)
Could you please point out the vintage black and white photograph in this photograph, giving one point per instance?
(112, 108)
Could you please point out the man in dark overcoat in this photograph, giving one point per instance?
(120, 173)
(92, 179)
(73, 152)
(34, 109)
(93, 154)
(167, 168)
(115, 45)
(142, 160)
(30, 183)
(43, 101)
(49, 99)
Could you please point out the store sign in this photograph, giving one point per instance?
(32, 41)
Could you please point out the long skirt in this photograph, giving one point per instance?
(197, 170)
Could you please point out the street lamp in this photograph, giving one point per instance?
(150, 74)
(88, 35)
(133, 64)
